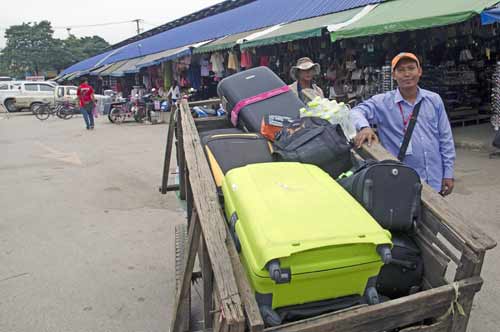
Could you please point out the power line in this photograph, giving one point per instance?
(151, 24)
(93, 25)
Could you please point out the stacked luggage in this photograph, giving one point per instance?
(302, 238)
(309, 244)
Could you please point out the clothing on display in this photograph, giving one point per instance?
(264, 61)
(246, 59)
(217, 61)
(204, 64)
(232, 62)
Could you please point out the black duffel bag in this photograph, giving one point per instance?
(312, 140)
(389, 190)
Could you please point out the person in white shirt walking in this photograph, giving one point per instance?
(174, 94)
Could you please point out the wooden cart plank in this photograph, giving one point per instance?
(388, 315)
(181, 158)
(467, 268)
(168, 153)
(208, 102)
(468, 232)
(436, 327)
(436, 263)
(212, 221)
(424, 232)
(193, 243)
(254, 318)
(205, 124)
(208, 280)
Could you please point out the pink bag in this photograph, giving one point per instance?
(95, 113)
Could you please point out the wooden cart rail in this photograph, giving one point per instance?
(453, 252)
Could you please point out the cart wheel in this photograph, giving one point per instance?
(181, 239)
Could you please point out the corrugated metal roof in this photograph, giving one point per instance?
(155, 58)
(312, 27)
(97, 71)
(128, 68)
(255, 15)
(113, 68)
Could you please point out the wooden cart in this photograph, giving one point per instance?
(453, 249)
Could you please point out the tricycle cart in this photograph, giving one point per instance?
(452, 247)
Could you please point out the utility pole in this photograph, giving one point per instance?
(137, 21)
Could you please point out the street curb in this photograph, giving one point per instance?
(474, 146)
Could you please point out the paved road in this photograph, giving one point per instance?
(86, 241)
(477, 197)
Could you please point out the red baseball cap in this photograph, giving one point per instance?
(401, 56)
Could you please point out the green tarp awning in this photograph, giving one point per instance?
(403, 15)
(303, 29)
(224, 43)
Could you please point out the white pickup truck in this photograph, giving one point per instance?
(18, 95)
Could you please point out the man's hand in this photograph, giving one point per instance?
(447, 187)
(366, 134)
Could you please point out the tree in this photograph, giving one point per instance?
(31, 48)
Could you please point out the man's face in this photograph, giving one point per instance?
(407, 73)
(306, 75)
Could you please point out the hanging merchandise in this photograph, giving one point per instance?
(495, 98)
(264, 60)
(204, 64)
(246, 59)
(217, 61)
(194, 75)
(232, 61)
(385, 80)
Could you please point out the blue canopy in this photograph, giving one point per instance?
(254, 15)
(491, 15)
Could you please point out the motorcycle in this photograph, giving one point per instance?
(134, 108)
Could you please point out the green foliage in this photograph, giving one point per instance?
(31, 48)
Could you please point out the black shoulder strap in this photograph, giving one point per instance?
(409, 132)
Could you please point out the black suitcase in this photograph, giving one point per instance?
(253, 82)
(403, 276)
(231, 148)
(389, 190)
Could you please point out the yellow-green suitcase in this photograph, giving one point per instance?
(302, 238)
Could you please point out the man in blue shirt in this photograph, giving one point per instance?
(431, 151)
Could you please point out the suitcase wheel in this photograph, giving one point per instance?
(232, 229)
(270, 317)
(372, 296)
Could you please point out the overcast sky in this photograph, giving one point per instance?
(64, 13)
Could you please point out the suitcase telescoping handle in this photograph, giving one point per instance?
(385, 253)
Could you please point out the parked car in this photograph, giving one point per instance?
(18, 95)
(66, 93)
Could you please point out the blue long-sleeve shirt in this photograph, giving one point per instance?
(431, 151)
